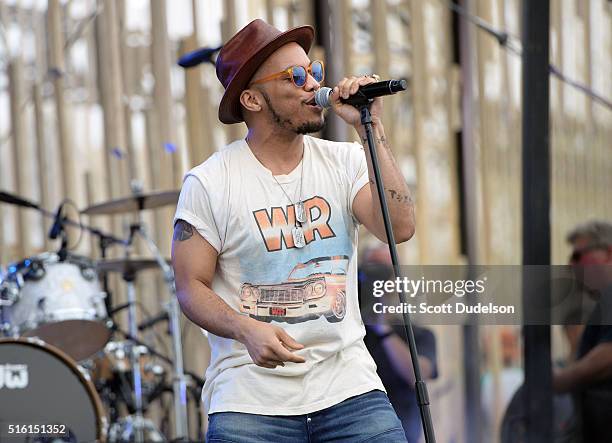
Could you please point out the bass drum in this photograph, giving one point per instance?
(40, 385)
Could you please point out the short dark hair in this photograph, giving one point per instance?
(598, 231)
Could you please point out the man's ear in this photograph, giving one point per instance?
(250, 99)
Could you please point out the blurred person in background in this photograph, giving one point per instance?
(386, 340)
(590, 375)
(499, 387)
(264, 252)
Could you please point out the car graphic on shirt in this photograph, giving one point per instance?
(312, 289)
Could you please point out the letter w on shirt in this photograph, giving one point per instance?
(275, 225)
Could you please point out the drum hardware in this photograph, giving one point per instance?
(104, 240)
(150, 350)
(46, 269)
(178, 383)
(61, 302)
(136, 202)
(57, 230)
(8, 295)
(123, 431)
(126, 265)
(194, 387)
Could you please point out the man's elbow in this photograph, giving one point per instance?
(404, 231)
(405, 234)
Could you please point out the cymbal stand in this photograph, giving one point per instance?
(8, 295)
(129, 277)
(178, 383)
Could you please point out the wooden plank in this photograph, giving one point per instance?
(127, 65)
(62, 111)
(380, 40)
(44, 184)
(419, 97)
(19, 153)
(199, 128)
(228, 28)
(482, 9)
(170, 170)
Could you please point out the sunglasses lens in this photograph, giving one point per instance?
(299, 75)
(317, 71)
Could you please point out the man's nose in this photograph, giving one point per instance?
(311, 83)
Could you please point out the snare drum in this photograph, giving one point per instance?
(60, 302)
(40, 385)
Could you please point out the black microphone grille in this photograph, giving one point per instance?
(398, 85)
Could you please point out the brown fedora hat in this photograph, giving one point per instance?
(244, 53)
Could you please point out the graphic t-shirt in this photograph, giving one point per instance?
(239, 208)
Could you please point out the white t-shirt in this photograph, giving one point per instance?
(237, 206)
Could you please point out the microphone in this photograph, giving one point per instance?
(153, 321)
(56, 229)
(364, 94)
(194, 58)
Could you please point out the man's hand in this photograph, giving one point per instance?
(347, 87)
(269, 346)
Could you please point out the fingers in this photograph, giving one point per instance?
(289, 343)
(272, 364)
(276, 355)
(349, 85)
(284, 355)
(287, 340)
(275, 349)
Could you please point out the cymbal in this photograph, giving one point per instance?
(127, 265)
(134, 203)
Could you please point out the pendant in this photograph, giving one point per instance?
(298, 237)
(300, 212)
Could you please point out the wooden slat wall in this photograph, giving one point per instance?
(422, 125)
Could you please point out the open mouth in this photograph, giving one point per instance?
(312, 103)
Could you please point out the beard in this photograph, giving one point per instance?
(287, 123)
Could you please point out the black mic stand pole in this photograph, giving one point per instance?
(420, 386)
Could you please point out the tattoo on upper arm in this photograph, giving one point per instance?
(182, 231)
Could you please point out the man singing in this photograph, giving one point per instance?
(264, 252)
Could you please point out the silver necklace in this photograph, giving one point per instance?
(300, 213)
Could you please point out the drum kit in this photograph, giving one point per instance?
(65, 364)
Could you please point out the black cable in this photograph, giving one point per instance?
(503, 38)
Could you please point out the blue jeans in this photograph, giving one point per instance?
(367, 417)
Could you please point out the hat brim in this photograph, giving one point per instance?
(229, 108)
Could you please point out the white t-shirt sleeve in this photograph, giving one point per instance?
(195, 207)
(357, 170)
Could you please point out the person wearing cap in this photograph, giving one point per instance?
(264, 252)
(590, 375)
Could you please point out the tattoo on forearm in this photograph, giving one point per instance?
(395, 195)
(182, 231)
(399, 197)
(382, 140)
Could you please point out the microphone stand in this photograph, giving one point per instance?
(420, 387)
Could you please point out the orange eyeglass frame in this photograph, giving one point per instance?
(289, 72)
